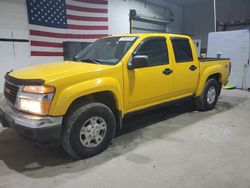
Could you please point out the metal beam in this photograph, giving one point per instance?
(215, 17)
(171, 2)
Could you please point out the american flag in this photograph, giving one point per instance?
(53, 21)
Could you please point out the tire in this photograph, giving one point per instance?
(207, 100)
(78, 130)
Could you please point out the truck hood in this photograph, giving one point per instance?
(54, 71)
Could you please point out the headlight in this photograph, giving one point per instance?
(39, 89)
(36, 99)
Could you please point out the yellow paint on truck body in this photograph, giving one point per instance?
(132, 89)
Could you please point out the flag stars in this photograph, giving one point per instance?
(47, 13)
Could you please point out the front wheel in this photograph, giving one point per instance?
(209, 96)
(88, 130)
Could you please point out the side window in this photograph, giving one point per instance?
(182, 50)
(156, 50)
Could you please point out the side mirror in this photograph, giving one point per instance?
(138, 61)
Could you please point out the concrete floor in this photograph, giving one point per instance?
(173, 146)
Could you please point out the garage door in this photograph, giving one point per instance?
(145, 27)
(147, 24)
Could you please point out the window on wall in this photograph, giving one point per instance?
(156, 50)
(182, 50)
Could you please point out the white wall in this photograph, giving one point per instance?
(14, 22)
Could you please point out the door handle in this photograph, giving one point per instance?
(192, 67)
(167, 71)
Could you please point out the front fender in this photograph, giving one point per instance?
(215, 69)
(66, 97)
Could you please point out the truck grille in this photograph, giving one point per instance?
(10, 92)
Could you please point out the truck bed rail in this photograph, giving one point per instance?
(202, 59)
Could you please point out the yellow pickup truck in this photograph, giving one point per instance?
(82, 102)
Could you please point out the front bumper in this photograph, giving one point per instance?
(44, 130)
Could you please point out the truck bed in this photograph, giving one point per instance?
(201, 59)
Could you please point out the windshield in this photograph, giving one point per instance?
(106, 51)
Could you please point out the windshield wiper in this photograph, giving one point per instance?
(76, 59)
(90, 60)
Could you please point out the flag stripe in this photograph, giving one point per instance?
(87, 27)
(58, 40)
(85, 9)
(46, 49)
(65, 35)
(79, 22)
(87, 18)
(93, 1)
(38, 53)
(89, 14)
(67, 31)
(47, 44)
(87, 5)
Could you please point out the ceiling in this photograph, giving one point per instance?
(186, 2)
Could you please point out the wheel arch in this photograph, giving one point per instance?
(217, 76)
(206, 75)
(105, 97)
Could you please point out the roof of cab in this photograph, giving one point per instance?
(144, 35)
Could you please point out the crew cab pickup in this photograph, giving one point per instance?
(82, 102)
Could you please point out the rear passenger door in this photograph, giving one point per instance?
(186, 69)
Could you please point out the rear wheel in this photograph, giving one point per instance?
(88, 130)
(209, 96)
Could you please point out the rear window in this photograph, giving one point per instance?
(182, 50)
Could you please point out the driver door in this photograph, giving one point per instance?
(152, 84)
